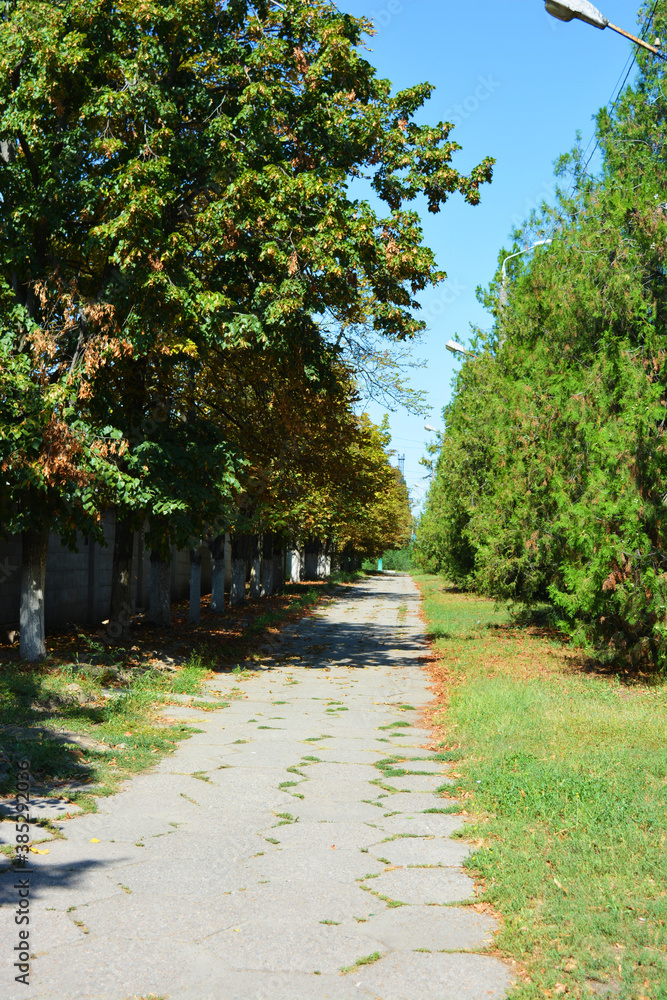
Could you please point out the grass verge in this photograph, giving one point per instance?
(566, 772)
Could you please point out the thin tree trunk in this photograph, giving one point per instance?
(228, 562)
(256, 567)
(159, 611)
(239, 565)
(120, 610)
(294, 565)
(323, 561)
(267, 564)
(32, 644)
(217, 548)
(195, 585)
(279, 567)
(312, 551)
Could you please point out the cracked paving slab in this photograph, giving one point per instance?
(264, 858)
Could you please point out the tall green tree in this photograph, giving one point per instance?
(562, 495)
(177, 174)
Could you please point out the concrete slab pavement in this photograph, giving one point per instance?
(261, 859)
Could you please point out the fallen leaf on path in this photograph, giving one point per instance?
(94, 840)
(36, 850)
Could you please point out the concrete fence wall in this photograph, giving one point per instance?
(78, 583)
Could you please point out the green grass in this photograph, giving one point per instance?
(348, 576)
(112, 706)
(567, 772)
(366, 960)
(124, 730)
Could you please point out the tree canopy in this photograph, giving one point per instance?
(176, 199)
(551, 483)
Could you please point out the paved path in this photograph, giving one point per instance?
(281, 863)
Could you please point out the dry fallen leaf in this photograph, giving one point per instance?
(94, 840)
(36, 850)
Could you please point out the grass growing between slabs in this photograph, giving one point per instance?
(566, 772)
(86, 724)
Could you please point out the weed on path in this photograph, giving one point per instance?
(88, 716)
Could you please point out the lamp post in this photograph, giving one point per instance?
(582, 10)
(434, 430)
(502, 295)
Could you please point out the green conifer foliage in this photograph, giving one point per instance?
(552, 479)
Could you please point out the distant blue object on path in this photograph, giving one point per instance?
(379, 565)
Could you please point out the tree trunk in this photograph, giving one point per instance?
(294, 562)
(279, 567)
(256, 567)
(120, 610)
(267, 564)
(195, 585)
(239, 566)
(323, 561)
(312, 554)
(32, 644)
(228, 562)
(217, 547)
(159, 611)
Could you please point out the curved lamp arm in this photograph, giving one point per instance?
(582, 10)
(503, 285)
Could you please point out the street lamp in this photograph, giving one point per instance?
(582, 10)
(455, 348)
(502, 295)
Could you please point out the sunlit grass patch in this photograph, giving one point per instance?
(83, 729)
(567, 772)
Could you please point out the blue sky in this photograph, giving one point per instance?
(518, 84)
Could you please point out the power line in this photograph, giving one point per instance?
(613, 101)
